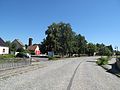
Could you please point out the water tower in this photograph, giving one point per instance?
(30, 41)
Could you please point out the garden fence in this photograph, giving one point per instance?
(14, 63)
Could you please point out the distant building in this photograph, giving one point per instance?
(3, 48)
(18, 44)
(35, 49)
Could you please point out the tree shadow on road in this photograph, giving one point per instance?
(114, 69)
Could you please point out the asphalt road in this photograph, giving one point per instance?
(69, 74)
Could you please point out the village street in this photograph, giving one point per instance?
(68, 74)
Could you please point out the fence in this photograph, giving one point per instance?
(14, 63)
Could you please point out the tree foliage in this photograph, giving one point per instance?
(104, 50)
(12, 47)
(61, 39)
(91, 49)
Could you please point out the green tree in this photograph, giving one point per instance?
(43, 47)
(66, 38)
(20, 50)
(80, 44)
(52, 37)
(104, 50)
(91, 49)
(12, 47)
(110, 48)
(63, 41)
(100, 48)
(8, 44)
(59, 38)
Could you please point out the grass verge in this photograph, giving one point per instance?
(103, 60)
(54, 58)
(7, 56)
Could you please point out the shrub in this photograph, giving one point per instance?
(20, 50)
(32, 52)
(51, 58)
(103, 60)
(57, 56)
(22, 55)
(23, 50)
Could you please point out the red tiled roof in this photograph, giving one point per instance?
(32, 48)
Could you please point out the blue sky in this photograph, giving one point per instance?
(97, 20)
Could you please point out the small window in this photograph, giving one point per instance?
(3, 50)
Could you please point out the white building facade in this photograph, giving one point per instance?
(4, 50)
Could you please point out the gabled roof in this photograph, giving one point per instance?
(2, 43)
(17, 40)
(32, 47)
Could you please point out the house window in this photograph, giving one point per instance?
(3, 50)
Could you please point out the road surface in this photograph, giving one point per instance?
(68, 74)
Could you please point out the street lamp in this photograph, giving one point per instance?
(116, 50)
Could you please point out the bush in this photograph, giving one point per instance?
(20, 50)
(22, 55)
(53, 58)
(32, 52)
(103, 60)
(57, 56)
(23, 50)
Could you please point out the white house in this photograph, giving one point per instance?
(3, 48)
